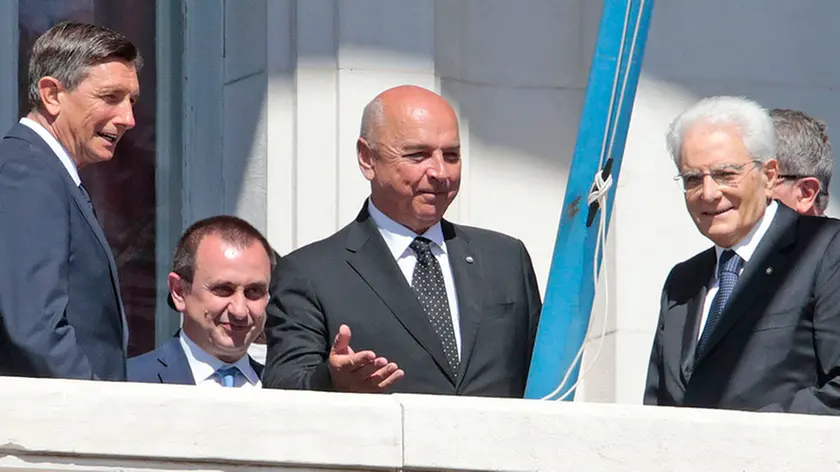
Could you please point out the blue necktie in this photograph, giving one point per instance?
(728, 267)
(228, 375)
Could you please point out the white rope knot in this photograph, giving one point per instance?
(600, 189)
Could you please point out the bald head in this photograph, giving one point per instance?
(409, 149)
(395, 103)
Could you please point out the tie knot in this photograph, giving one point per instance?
(227, 370)
(227, 374)
(729, 262)
(420, 246)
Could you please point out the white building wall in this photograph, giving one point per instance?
(516, 72)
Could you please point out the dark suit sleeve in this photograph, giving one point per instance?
(298, 341)
(34, 254)
(532, 293)
(823, 398)
(654, 376)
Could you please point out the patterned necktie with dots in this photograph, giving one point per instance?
(427, 282)
(728, 267)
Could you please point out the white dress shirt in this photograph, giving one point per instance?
(56, 147)
(745, 249)
(204, 367)
(398, 238)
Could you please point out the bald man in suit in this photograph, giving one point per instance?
(402, 300)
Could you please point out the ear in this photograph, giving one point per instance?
(178, 289)
(50, 89)
(808, 190)
(366, 156)
(770, 169)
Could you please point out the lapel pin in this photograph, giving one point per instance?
(768, 271)
(469, 259)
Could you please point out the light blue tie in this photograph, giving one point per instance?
(728, 267)
(228, 375)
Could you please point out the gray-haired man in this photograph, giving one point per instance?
(753, 322)
(61, 314)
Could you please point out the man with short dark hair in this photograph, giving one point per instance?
(219, 282)
(805, 161)
(61, 314)
(752, 323)
(432, 307)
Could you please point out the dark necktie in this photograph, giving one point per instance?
(728, 267)
(87, 197)
(427, 282)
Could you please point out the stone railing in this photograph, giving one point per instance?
(99, 426)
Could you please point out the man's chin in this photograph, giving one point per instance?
(716, 231)
(721, 237)
(232, 342)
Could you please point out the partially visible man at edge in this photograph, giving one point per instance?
(805, 161)
(61, 314)
(434, 307)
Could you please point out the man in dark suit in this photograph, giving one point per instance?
(433, 307)
(219, 282)
(752, 323)
(61, 314)
(805, 161)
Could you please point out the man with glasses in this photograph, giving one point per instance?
(752, 323)
(805, 161)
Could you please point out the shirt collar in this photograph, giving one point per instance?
(397, 237)
(56, 147)
(746, 247)
(204, 366)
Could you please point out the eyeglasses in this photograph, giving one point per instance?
(724, 176)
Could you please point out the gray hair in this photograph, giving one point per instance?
(804, 149)
(372, 118)
(68, 49)
(753, 123)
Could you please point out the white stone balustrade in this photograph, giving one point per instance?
(99, 426)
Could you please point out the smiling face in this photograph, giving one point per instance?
(90, 119)
(414, 163)
(224, 306)
(725, 213)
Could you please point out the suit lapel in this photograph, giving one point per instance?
(694, 312)
(468, 277)
(369, 256)
(93, 223)
(753, 283)
(173, 367)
